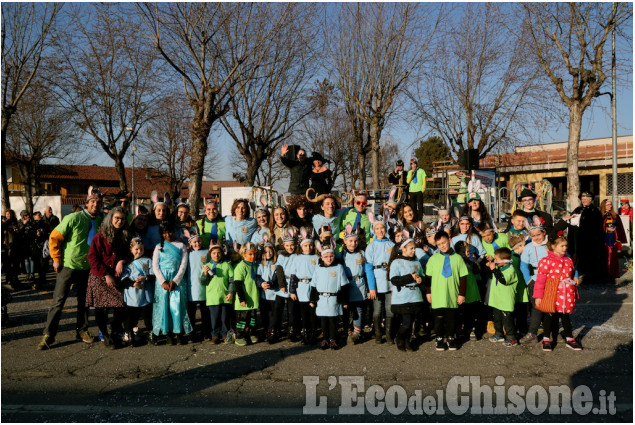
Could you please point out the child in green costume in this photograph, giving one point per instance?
(502, 296)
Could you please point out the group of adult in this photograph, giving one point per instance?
(23, 244)
(595, 234)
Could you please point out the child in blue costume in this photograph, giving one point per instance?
(328, 293)
(169, 313)
(353, 261)
(447, 283)
(138, 278)
(406, 276)
(286, 261)
(377, 256)
(300, 290)
(423, 320)
(533, 252)
(218, 278)
(267, 280)
(195, 289)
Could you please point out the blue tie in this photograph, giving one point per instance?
(358, 218)
(447, 270)
(414, 180)
(214, 232)
(214, 267)
(91, 231)
(253, 271)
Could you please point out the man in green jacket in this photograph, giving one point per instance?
(416, 180)
(69, 243)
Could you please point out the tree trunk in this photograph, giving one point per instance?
(199, 151)
(375, 134)
(573, 176)
(6, 202)
(27, 182)
(361, 159)
(121, 171)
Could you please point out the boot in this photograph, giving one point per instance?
(377, 324)
(401, 343)
(408, 343)
(389, 334)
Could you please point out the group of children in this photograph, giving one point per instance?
(450, 281)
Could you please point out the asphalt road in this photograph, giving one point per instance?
(78, 382)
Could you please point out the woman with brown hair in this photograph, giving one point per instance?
(109, 251)
(239, 226)
(614, 236)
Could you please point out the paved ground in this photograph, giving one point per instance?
(199, 382)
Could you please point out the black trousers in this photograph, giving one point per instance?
(416, 202)
(329, 327)
(118, 318)
(267, 313)
(132, 318)
(206, 321)
(444, 321)
(550, 324)
(292, 311)
(307, 314)
(504, 319)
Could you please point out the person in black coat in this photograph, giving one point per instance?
(299, 169)
(586, 241)
(528, 201)
(321, 177)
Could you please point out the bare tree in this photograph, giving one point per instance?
(567, 40)
(107, 79)
(40, 130)
(326, 130)
(165, 144)
(265, 109)
(375, 48)
(208, 45)
(481, 90)
(26, 32)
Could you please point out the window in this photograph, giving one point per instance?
(624, 184)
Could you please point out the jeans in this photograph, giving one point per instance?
(65, 278)
(29, 265)
(219, 319)
(383, 301)
(353, 314)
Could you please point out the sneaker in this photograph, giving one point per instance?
(333, 345)
(241, 342)
(452, 345)
(215, 340)
(440, 345)
(253, 339)
(530, 338)
(355, 338)
(86, 337)
(573, 344)
(472, 336)
(46, 343)
(510, 343)
(546, 345)
(495, 338)
(324, 344)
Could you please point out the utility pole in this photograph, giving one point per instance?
(614, 119)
